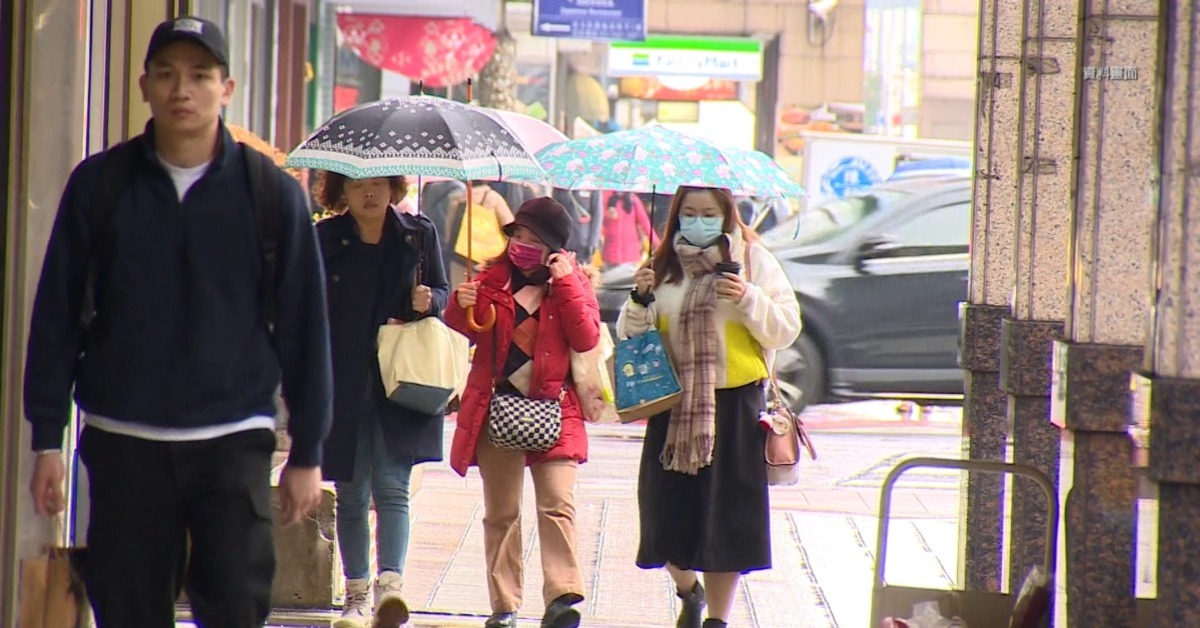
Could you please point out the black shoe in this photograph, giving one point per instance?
(559, 613)
(714, 623)
(501, 620)
(693, 607)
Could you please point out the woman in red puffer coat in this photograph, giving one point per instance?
(545, 308)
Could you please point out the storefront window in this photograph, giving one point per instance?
(262, 59)
(235, 19)
(215, 11)
(893, 80)
(533, 88)
(356, 81)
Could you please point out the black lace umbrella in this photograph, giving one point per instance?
(417, 136)
(420, 136)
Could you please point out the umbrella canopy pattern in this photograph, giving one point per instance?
(768, 177)
(417, 135)
(533, 133)
(658, 159)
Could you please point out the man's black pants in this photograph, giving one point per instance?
(148, 498)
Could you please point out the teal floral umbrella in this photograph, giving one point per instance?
(657, 159)
(764, 173)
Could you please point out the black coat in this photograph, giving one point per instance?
(178, 340)
(407, 435)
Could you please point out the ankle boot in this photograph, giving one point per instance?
(692, 608)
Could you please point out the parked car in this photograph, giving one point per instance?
(879, 277)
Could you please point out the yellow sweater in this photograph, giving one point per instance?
(748, 332)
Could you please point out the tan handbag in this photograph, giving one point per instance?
(785, 430)
(785, 436)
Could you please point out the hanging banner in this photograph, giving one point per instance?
(438, 51)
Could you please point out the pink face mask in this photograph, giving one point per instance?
(524, 256)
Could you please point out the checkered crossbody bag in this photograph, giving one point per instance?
(519, 423)
(524, 424)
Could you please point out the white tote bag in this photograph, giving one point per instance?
(593, 382)
(424, 364)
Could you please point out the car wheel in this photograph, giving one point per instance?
(801, 373)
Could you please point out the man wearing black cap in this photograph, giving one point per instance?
(178, 356)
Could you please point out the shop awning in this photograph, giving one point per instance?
(437, 50)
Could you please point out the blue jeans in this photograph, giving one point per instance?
(375, 474)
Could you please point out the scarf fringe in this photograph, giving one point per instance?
(688, 457)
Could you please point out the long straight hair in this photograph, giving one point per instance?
(666, 264)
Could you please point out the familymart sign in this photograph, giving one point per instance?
(729, 58)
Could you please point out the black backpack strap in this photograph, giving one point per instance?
(265, 182)
(115, 169)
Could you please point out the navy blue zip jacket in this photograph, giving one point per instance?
(179, 338)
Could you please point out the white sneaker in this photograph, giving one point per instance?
(356, 612)
(390, 609)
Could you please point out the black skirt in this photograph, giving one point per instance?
(719, 519)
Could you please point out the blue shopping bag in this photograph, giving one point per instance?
(644, 377)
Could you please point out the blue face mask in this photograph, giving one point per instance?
(700, 231)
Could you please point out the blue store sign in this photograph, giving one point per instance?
(623, 20)
(848, 176)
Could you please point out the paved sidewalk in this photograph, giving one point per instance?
(823, 539)
(823, 533)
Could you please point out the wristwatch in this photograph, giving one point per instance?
(637, 297)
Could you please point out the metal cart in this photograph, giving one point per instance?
(979, 609)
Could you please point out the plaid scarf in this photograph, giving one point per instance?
(689, 445)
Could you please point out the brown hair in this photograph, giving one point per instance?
(330, 190)
(666, 265)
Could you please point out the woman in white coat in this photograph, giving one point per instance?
(724, 306)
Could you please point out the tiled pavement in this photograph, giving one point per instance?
(823, 536)
(820, 529)
(823, 539)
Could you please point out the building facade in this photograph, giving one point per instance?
(69, 88)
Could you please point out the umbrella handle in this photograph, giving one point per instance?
(486, 325)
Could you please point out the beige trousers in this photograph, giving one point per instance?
(503, 474)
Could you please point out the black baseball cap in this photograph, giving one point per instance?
(191, 29)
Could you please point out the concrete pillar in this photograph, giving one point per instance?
(985, 430)
(1166, 409)
(1043, 214)
(1109, 289)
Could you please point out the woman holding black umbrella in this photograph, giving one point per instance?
(381, 266)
